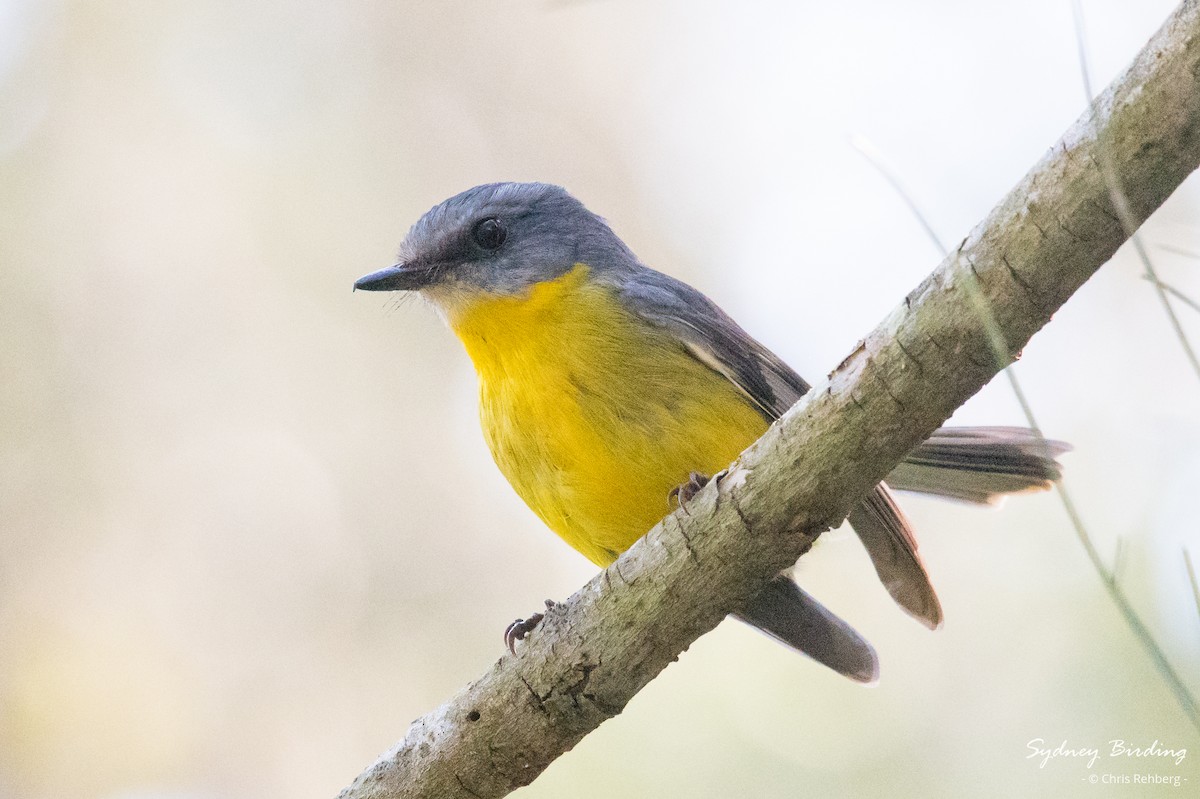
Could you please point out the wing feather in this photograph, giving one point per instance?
(714, 339)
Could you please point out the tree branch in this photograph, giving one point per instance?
(594, 652)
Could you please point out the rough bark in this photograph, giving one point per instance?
(595, 651)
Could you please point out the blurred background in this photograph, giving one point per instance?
(249, 528)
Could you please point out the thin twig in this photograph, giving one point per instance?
(597, 649)
(999, 349)
(875, 158)
(1179, 295)
(1121, 202)
(1175, 248)
(1191, 570)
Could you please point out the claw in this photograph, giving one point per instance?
(682, 494)
(523, 627)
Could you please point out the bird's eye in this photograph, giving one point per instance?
(489, 233)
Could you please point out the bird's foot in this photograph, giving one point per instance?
(682, 494)
(523, 627)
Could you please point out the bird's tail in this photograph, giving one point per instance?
(974, 464)
(980, 464)
(888, 538)
(788, 614)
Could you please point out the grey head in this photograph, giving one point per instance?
(500, 238)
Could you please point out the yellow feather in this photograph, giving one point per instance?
(594, 415)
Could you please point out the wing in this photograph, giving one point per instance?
(714, 339)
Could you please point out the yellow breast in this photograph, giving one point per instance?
(592, 414)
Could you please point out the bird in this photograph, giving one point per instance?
(609, 391)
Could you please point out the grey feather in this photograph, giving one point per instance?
(714, 339)
(980, 464)
(788, 614)
(717, 341)
(549, 231)
(976, 464)
(888, 539)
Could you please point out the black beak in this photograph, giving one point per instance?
(400, 277)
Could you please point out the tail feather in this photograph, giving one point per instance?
(975, 464)
(788, 614)
(888, 539)
(980, 464)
